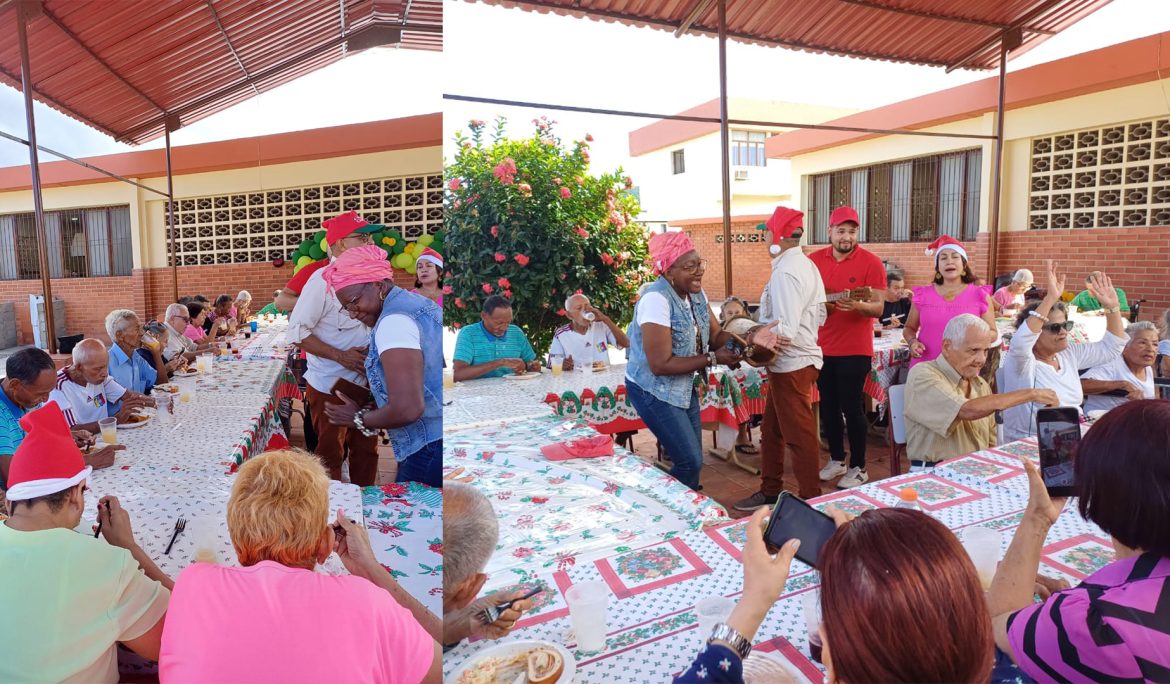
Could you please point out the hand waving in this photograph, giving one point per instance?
(1101, 287)
(1055, 282)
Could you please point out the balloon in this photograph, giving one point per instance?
(426, 240)
(409, 249)
(412, 267)
(402, 260)
(389, 253)
(316, 253)
(296, 269)
(303, 260)
(324, 246)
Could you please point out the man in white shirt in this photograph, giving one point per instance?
(85, 391)
(336, 346)
(794, 304)
(589, 334)
(177, 319)
(1129, 376)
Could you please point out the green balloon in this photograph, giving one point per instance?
(402, 260)
(389, 252)
(302, 260)
(412, 267)
(315, 253)
(318, 237)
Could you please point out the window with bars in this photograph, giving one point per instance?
(80, 243)
(1101, 177)
(911, 200)
(747, 148)
(262, 226)
(677, 162)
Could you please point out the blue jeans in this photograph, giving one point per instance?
(424, 465)
(677, 429)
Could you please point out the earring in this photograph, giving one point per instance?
(382, 295)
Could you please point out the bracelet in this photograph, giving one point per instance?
(711, 361)
(1039, 315)
(357, 421)
(722, 632)
(1113, 310)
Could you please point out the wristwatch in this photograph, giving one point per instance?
(1112, 310)
(357, 421)
(722, 632)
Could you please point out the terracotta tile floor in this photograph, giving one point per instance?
(387, 466)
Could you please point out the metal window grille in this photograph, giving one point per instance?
(747, 148)
(262, 226)
(1111, 176)
(912, 200)
(80, 243)
(677, 162)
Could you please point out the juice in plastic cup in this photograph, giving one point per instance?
(557, 362)
(448, 379)
(109, 428)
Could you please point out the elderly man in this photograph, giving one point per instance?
(242, 307)
(493, 347)
(76, 598)
(127, 367)
(1129, 376)
(1010, 297)
(588, 336)
(470, 533)
(950, 410)
(336, 346)
(86, 392)
(272, 307)
(1085, 301)
(177, 318)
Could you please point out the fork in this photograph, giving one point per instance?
(492, 613)
(180, 525)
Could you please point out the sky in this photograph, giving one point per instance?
(388, 83)
(511, 54)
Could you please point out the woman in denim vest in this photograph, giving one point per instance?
(406, 344)
(674, 336)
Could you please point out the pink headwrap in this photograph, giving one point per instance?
(666, 248)
(356, 266)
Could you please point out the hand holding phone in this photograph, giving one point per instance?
(1058, 432)
(794, 518)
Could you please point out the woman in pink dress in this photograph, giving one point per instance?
(953, 292)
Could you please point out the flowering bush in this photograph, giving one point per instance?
(525, 219)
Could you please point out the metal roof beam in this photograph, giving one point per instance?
(874, 4)
(700, 8)
(1011, 34)
(79, 162)
(232, 48)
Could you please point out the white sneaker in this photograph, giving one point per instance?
(832, 469)
(854, 478)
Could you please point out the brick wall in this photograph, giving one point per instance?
(1136, 259)
(88, 300)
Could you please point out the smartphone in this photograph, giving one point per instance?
(1058, 431)
(792, 517)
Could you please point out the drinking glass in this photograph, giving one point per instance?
(588, 603)
(984, 546)
(557, 362)
(448, 379)
(711, 611)
(109, 429)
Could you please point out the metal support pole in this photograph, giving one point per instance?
(724, 147)
(26, 85)
(171, 217)
(997, 172)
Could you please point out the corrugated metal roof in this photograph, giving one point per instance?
(949, 33)
(120, 66)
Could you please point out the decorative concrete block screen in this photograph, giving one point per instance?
(262, 226)
(1102, 177)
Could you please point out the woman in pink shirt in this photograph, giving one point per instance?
(276, 620)
(953, 292)
(194, 329)
(1011, 296)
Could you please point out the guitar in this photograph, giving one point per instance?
(860, 294)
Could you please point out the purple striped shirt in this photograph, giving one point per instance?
(1114, 626)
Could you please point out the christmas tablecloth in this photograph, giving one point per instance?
(654, 585)
(405, 522)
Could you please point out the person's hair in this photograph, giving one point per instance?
(895, 275)
(495, 302)
(83, 349)
(570, 298)
(279, 508)
(733, 300)
(470, 533)
(438, 271)
(194, 309)
(27, 365)
(1140, 326)
(223, 299)
(201, 299)
(1123, 475)
(901, 572)
(957, 327)
(55, 501)
(155, 328)
(244, 296)
(175, 310)
(1023, 276)
(117, 320)
(968, 276)
(1022, 317)
(184, 300)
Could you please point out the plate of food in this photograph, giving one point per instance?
(168, 387)
(137, 419)
(98, 445)
(598, 366)
(526, 662)
(530, 375)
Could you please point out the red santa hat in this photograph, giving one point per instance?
(47, 461)
(432, 256)
(943, 244)
(783, 223)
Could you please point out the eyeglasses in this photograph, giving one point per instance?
(348, 306)
(364, 238)
(185, 319)
(694, 266)
(1055, 328)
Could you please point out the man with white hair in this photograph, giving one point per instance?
(127, 367)
(950, 410)
(470, 534)
(86, 393)
(242, 307)
(1127, 377)
(177, 318)
(588, 336)
(1010, 297)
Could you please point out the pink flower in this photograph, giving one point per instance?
(524, 188)
(557, 181)
(495, 231)
(476, 123)
(566, 193)
(588, 138)
(579, 291)
(459, 303)
(458, 204)
(617, 219)
(453, 184)
(508, 294)
(521, 259)
(505, 171)
(500, 258)
(503, 282)
(447, 289)
(585, 156)
(487, 287)
(620, 280)
(629, 182)
(560, 312)
(582, 232)
(607, 259)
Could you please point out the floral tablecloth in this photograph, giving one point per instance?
(655, 584)
(405, 522)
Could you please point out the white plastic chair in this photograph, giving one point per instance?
(897, 395)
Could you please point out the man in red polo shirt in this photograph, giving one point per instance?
(846, 339)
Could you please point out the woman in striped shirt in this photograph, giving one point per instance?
(1116, 624)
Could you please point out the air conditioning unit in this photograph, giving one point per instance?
(741, 174)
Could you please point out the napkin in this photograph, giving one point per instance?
(586, 447)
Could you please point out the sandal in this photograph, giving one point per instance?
(749, 449)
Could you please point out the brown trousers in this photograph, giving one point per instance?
(789, 422)
(331, 439)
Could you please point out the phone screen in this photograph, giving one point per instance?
(1058, 432)
(794, 518)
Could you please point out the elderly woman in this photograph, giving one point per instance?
(223, 322)
(676, 336)
(953, 292)
(276, 620)
(406, 345)
(1041, 356)
(891, 572)
(428, 275)
(1010, 297)
(196, 315)
(242, 308)
(1129, 376)
(1113, 626)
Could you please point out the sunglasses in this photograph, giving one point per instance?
(1055, 328)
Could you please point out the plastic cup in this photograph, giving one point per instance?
(109, 428)
(811, 602)
(204, 533)
(557, 363)
(253, 325)
(448, 379)
(984, 545)
(186, 392)
(164, 405)
(711, 611)
(588, 604)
